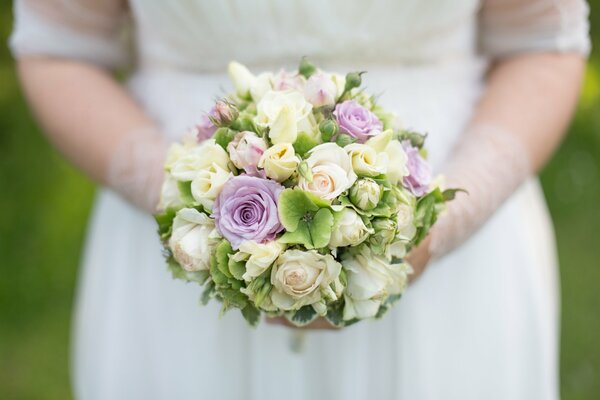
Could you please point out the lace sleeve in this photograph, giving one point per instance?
(86, 30)
(516, 26)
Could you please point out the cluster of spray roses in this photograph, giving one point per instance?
(297, 195)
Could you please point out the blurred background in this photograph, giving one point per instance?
(40, 242)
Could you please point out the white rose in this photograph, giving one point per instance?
(405, 218)
(245, 150)
(397, 168)
(279, 161)
(192, 239)
(320, 90)
(331, 169)
(366, 161)
(285, 113)
(208, 183)
(288, 81)
(348, 229)
(301, 278)
(241, 77)
(371, 278)
(195, 159)
(261, 85)
(258, 256)
(169, 194)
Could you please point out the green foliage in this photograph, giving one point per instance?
(304, 316)
(251, 314)
(344, 139)
(164, 221)
(306, 218)
(185, 193)
(304, 142)
(306, 68)
(223, 136)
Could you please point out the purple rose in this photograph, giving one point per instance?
(357, 121)
(419, 171)
(246, 209)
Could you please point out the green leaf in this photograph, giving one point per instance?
(185, 191)
(305, 315)
(222, 256)
(223, 136)
(208, 292)
(300, 236)
(335, 313)
(450, 194)
(217, 276)
(251, 314)
(237, 268)
(304, 142)
(320, 228)
(165, 223)
(293, 205)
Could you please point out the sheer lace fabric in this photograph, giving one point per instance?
(516, 26)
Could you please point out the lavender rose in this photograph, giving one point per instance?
(246, 209)
(357, 121)
(419, 172)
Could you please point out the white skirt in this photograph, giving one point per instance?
(480, 323)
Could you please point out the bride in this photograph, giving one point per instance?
(493, 82)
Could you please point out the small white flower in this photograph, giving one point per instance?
(348, 229)
(405, 220)
(320, 90)
(285, 113)
(193, 160)
(193, 239)
(258, 256)
(365, 194)
(208, 183)
(241, 77)
(279, 161)
(366, 161)
(397, 168)
(245, 150)
(169, 194)
(371, 279)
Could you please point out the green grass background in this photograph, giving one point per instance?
(40, 243)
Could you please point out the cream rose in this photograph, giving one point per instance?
(331, 169)
(208, 183)
(258, 256)
(366, 161)
(285, 113)
(348, 229)
(169, 194)
(279, 161)
(192, 239)
(193, 160)
(397, 168)
(302, 278)
(405, 218)
(371, 278)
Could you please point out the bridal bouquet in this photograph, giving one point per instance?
(297, 195)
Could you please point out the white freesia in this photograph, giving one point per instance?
(208, 183)
(405, 220)
(241, 77)
(279, 161)
(285, 113)
(194, 159)
(331, 169)
(261, 85)
(169, 194)
(366, 161)
(371, 279)
(320, 90)
(348, 229)
(258, 256)
(193, 239)
(302, 278)
(397, 168)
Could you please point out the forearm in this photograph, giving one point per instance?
(92, 121)
(519, 122)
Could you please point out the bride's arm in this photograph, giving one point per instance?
(65, 51)
(90, 118)
(539, 50)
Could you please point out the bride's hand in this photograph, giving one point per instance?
(418, 258)
(318, 324)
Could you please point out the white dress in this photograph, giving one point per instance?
(482, 323)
